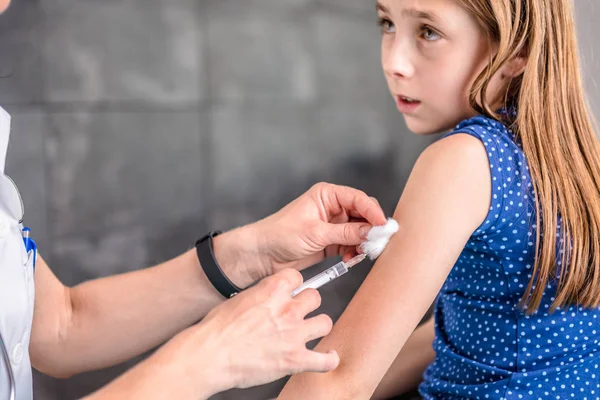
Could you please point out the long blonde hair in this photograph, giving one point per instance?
(556, 129)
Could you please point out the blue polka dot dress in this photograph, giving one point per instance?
(486, 347)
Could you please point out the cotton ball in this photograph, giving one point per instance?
(378, 238)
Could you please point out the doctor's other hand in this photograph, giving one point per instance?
(328, 220)
(256, 337)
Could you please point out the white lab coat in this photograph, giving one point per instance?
(16, 284)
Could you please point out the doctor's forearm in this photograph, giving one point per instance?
(116, 318)
(167, 374)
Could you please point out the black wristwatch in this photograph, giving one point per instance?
(214, 273)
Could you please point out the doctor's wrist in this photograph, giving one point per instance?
(240, 256)
(192, 361)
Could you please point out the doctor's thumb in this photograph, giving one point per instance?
(348, 234)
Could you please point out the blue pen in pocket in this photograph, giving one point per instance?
(29, 244)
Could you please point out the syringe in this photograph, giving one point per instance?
(329, 274)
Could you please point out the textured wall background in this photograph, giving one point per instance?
(138, 125)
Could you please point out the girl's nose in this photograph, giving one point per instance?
(397, 61)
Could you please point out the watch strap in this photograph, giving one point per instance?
(214, 273)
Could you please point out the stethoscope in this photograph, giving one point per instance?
(30, 246)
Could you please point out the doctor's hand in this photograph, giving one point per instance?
(328, 220)
(256, 337)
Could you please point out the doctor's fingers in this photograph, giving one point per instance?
(356, 203)
(355, 215)
(280, 285)
(346, 252)
(316, 327)
(314, 361)
(348, 234)
(305, 302)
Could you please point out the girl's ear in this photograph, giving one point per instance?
(515, 66)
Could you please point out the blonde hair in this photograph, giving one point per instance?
(556, 129)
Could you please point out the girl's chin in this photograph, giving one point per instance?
(423, 128)
(426, 126)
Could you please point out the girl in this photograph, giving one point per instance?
(500, 218)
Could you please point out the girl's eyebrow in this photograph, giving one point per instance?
(411, 12)
(381, 7)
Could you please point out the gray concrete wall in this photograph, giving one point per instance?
(138, 125)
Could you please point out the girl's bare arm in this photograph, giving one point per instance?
(407, 370)
(445, 200)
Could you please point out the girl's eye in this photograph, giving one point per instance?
(429, 34)
(387, 26)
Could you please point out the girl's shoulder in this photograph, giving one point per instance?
(511, 180)
(502, 145)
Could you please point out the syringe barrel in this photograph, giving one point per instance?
(321, 279)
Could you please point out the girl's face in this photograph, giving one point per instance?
(4, 5)
(431, 52)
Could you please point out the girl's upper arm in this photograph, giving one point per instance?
(446, 199)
